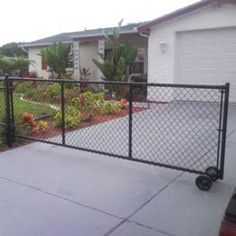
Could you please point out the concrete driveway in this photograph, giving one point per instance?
(49, 190)
(182, 134)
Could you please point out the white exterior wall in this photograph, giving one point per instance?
(161, 66)
(34, 55)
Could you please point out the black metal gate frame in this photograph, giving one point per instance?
(224, 89)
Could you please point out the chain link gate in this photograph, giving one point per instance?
(175, 126)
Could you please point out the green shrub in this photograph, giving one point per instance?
(53, 90)
(89, 99)
(72, 117)
(110, 107)
(76, 102)
(92, 100)
(100, 97)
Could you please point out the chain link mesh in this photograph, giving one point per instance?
(171, 125)
(180, 128)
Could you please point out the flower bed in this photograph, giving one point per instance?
(52, 130)
(82, 111)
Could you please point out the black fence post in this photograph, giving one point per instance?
(63, 112)
(8, 112)
(130, 119)
(12, 111)
(222, 92)
(224, 130)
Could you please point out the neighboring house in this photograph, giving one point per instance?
(86, 46)
(194, 45)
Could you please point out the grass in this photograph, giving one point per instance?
(24, 106)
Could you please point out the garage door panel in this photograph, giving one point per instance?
(207, 57)
(208, 35)
(203, 63)
(229, 49)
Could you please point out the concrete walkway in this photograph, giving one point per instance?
(53, 191)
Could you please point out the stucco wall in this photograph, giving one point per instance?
(34, 55)
(161, 66)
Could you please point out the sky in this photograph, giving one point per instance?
(29, 20)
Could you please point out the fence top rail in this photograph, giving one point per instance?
(172, 85)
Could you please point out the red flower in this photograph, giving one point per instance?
(123, 101)
(28, 118)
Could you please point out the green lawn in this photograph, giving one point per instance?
(24, 106)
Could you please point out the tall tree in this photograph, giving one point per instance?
(12, 50)
(56, 57)
(8, 64)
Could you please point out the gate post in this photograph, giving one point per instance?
(8, 117)
(224, 130)
(63, 112)
(130, 119)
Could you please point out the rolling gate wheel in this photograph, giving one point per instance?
(205, 181)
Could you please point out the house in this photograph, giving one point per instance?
(86, 46)
(194, 45)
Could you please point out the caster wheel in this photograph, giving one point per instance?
(204, 182)
(212, 172)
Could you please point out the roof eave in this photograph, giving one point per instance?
(183, 11)
(100, 35)
(31, 45)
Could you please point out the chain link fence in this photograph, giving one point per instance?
(175, 126)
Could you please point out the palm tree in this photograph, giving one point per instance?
(56, 57)
(115, 67)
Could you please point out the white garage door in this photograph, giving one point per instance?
(207, 57)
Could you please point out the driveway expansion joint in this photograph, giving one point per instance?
(127, 219)
(61, 197)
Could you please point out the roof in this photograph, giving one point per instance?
(68, 37)
(145, 28)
